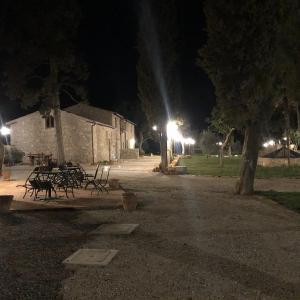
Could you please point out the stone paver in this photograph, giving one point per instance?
(91, 257)
(115, 229)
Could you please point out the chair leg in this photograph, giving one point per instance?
(25, 193)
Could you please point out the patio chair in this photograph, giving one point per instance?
(28, 187)
(84, 175)
(100, 184)
(103, 181)
(66, 182)
(41, 185)
(90, 179)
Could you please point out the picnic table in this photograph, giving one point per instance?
(39, 158)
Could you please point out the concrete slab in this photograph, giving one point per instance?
(115, 229)
(91, 257)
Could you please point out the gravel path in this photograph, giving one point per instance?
(33, 245)
(196, 240)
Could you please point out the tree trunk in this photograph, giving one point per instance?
(164, 149)
(287, 127)
(1, 156)
(245, 184)
(57, 114)
(141, 141)
(227, 140)
(298, 116)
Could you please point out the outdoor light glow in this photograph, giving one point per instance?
(285, 138)
(154, 127)
(265, 145)
(5, 130)
(269, 143)
(189, 141)
(131, 143)
(173, 132)
(219, 143)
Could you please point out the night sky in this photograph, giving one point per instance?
(107, 42)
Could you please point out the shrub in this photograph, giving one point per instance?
(13, 155)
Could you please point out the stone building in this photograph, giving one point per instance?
(90, 134)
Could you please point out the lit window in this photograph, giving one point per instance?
(49, 122)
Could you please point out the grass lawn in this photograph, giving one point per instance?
(290, 200)
(201, 165)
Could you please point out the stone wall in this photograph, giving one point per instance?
(276, 162)
(129, 153)
(77, 138)
(84, 140)
(30, 135)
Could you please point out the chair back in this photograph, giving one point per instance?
(96, 173)
(105, 174)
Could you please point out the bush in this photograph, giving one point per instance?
(207, 142)
(13, 155)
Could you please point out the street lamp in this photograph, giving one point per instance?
(5, 131)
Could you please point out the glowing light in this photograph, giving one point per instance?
(189, 141)
(269, 143)
(219, 144)
(131, 143)
(265, 145)
(154, 127)
(173, 132)
(5, 130)
(285, 138)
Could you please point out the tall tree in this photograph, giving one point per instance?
(240, 59)
(39, 58)
(156, 68)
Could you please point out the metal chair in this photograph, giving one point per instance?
(92, 181)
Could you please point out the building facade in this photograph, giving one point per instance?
(90, 134)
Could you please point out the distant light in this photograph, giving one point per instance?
(189, 141)
(285, 138)
(131, 143)
(5, 130)
(265, 145)
(154, 127)
(219, 144)
(269, 143)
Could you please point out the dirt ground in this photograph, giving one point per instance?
(196, 240)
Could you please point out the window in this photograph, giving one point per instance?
(49, 122)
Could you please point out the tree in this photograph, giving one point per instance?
(156, 78)
(218, 123)
(240, 59)
(208, 142)
(39, 59)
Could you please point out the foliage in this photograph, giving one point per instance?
(240, 57)
(13, 155)
(39, 57)
(287, 199)
(203, 165)
(208, 142)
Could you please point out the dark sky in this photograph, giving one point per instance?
(108, 45)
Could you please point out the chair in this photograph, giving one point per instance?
(100, 184)
(91, 178)
(38, 185)
(65, 181)
(103, 181)
(28, 187)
